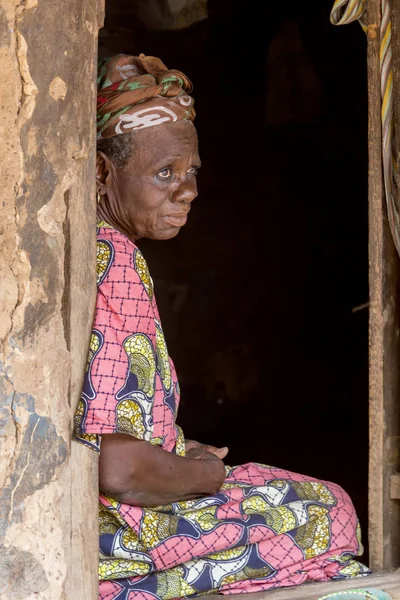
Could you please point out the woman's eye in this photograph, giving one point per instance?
(193, 170)
(165, 174)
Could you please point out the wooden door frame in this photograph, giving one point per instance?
(384, 325)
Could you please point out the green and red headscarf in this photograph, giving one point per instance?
(134, 92)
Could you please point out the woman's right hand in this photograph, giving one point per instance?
(192, 444)
(200, 453)
(216, 464)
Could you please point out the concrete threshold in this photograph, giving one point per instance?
(388, 582)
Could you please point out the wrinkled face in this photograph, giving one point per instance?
(151, 195)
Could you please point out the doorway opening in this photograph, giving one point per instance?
(263, 295)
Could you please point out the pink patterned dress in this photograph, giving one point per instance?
(266, 527)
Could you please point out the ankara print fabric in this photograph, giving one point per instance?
(266, 527)
(130, 384)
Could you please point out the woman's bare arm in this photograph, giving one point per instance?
(136, 472)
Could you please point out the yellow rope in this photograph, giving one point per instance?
(346, 11)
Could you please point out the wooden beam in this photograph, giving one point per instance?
(395, 14)
(101, 13)
(395, 487)
(384, 513)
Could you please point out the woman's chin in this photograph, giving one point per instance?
(166, 234)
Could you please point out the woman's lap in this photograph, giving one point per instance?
(266, 528)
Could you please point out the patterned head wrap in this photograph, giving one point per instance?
(134, 92)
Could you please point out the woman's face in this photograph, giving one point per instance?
(151, 196)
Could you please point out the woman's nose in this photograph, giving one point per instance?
(186, 192)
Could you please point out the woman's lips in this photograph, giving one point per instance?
(176, 220)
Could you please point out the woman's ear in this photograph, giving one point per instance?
(103, 172)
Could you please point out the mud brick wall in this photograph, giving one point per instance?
(48, 517)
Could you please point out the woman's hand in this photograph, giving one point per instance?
(197, 450)
(200, 453)
(135, 472)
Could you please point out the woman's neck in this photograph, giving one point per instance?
(105, 215)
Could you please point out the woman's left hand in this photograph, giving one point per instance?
(219, 452)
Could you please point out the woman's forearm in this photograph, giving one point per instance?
(136, 472)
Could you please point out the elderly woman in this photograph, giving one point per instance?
(174, 521)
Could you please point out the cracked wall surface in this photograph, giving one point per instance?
(48, 487)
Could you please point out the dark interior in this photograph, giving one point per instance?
(257, 293)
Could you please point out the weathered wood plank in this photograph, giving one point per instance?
(384, 513)
(395, 486)
(395, 14)
(101, 13)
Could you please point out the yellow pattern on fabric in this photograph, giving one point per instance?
(246, 573)
(163, 364)
(351, 567)
(185, 505)
(149, 529)
(230, 554)
(104, 225)
(280, 519)
(130, 419)
(157, 441)
(130, 558)
(180, 442)
(80, 411)
(313, 538)
(144, 274)
(141, 362)
(156, 527)
(231, 579)
(313, 490)
(232, 486)
(131, 541)
(118, 568)
(206, 518)
(360, 544)
(107, 520)
(279, 484)
(172, 584)
(114, 505)
(255, 504)
(103, 259)
(250, 573)
(92, 440)
(94, 342)
(89, 437)
(94, 345)
(111, 512)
